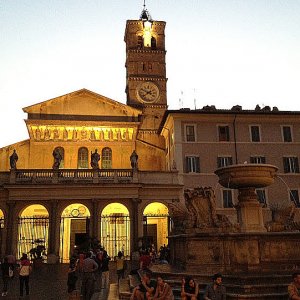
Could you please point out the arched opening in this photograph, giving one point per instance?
(153, 42)
(140, 41)
(33, 230)
(83, 158)
(115, 229)
(1, 219)
(156, 224)
(74, 230)
(1, 230)
(106, 158)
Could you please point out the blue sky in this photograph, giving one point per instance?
(219, 52)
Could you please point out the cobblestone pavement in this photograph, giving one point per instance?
(50, 283)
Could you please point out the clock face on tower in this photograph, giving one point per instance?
(147, 92)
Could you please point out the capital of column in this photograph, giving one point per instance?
(136, 201)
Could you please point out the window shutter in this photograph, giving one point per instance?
(296, 165)
(227, 133)
(229, 160)
(186, 165)
(219, 162)
(285, 165)
(197, 164)
(263, 160)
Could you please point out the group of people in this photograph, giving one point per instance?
(9, 268)
(88, 268)
(150, 289)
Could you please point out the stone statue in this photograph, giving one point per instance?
(101, 135)
(57, 159)
(134, 160)
(55, 134)
(202, 214)
(92, 135)
(95, 157)
(65, 134)
(47, 134)
(74, 135)
(13, 160)
(37, 134)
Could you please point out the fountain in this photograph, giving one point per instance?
(204, 240)
(247, 178)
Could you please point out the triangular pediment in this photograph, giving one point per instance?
(82, 103)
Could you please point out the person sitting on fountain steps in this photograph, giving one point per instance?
(189, 289)
(294, 287)
(215, 291)
(146, 289)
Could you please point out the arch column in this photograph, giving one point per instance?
(10, 228)
(53, 221)
(95, 219)
(135, 222)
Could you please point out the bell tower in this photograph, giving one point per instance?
(146, 82)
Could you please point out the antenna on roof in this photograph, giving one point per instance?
(181, 100)
(195, 101)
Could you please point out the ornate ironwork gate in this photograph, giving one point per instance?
(32, 231)
(115, 233)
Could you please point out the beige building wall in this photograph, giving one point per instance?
(239, 147)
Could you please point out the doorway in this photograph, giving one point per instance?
(74, 230)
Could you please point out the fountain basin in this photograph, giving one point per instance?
(246, 176)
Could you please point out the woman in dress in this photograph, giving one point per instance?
(189, 289)
(163, 291)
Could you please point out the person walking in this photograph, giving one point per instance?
(120, 261)
(294, 287)
(24, 272)
(72, 276)
(216, 291)
(105, 270)
(89, 267)
(7, 274)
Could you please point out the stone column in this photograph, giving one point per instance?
(11, 235)
(249, 211)
(135, 223)
(53, 220)
(95, 219)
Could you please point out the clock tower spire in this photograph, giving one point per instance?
(146, 80)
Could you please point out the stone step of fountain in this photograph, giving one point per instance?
(241, 286)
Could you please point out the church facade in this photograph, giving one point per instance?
(93, 166)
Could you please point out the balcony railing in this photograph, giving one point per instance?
(71, 175)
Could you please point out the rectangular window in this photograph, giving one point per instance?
(192, 164)
(261, 195)
(290, 164)
(223, 133)
(287, 133)
(294, 197)
(190, 133)
(223, 161)
(257, 160)
(227, 198)
(255, 133)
